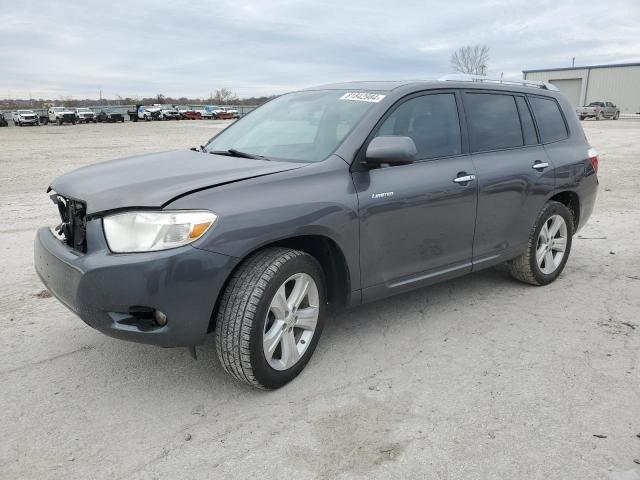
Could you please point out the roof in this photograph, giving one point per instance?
(611, 65)
(378, 85)
(408, 86)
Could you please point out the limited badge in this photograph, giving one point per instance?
(362, 97)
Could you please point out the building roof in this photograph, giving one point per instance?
(611, 65)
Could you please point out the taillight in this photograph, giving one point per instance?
(593, 156)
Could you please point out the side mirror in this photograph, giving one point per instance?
(394, 150)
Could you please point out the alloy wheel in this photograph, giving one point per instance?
(551, 245)
(291, 321)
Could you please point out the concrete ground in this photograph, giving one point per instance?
(477, 378)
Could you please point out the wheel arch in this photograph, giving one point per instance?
(571, 200)
(328, 254)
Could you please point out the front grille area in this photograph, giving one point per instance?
(73, 228)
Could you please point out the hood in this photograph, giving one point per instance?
(154, 180)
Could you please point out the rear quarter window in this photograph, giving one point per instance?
(549, 119)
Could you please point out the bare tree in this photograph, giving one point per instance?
(224, 96)
(471, 59)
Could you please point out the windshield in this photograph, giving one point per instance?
(58, 109)
(301, 126)
(25, 112)
(596, 104)
(83, 110)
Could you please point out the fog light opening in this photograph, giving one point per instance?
(159, 318)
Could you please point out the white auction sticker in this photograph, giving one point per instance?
(362, 97)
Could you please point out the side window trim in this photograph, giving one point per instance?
(535, 120)
(535, 125)
(464, 142)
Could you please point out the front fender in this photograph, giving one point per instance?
(318, 199)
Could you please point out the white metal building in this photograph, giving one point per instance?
(619, 83)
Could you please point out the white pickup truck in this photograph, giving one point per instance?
(599, 111)
(61, 115)
(85, 115)
(25, 117)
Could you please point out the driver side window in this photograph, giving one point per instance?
(431, 121)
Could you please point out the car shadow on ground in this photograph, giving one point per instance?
(341, 330)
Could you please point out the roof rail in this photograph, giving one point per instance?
(463, 77)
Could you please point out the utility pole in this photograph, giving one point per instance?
(573, 62)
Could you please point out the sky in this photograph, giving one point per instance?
(75, 48)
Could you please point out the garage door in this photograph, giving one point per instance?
(571, 87)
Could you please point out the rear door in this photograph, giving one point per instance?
(416, 221)
(515, 175)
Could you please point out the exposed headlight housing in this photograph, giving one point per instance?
(148, 231)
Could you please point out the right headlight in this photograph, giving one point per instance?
(148, 231)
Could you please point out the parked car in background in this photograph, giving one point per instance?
(205, 111)
(85, 115)
(25, 117)
(223, 114)
(191, 115)
(169, 112)
(323, 198)
(61, 115)
(232, 111)
(3, 121)
(148, 113)
(109, 116)
(599, 111)
(182, 109)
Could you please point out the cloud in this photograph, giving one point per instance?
(135, 47)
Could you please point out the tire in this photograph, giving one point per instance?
(616, 116)
(599, 116)
(58, 121)
(526, 267)
(582, 118)
(246, 314)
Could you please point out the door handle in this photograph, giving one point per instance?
(538, 165)
(464, 178)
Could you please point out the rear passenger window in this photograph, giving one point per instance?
(550, 122)
(530, 137)
(431, 121)
(493, 121)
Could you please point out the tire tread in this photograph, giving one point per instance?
(238, 307)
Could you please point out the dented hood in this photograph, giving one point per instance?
(155, 180)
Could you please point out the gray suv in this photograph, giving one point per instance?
(328, 197)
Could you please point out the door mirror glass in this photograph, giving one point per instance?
(394, 150)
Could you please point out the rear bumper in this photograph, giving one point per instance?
(105, 289)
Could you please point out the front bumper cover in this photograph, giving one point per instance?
(104, 289)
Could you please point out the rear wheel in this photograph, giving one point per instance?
(270, 317)
(616, 116)
(548, 247)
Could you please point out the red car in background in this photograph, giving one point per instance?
(191, 115)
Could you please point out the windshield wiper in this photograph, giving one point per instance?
(232, 152)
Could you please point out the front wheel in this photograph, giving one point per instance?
(270, 317)
(616, 116)
(548, 247)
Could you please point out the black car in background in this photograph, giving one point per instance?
(3, 121)
(108, 116)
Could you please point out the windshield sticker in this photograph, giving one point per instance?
(362, 97)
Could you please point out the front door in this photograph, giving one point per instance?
(417, 220)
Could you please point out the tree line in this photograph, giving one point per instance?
(219, 97)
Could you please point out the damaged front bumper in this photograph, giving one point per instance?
(118, 293)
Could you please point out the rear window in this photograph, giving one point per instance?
(550, 122)
(493, 121)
